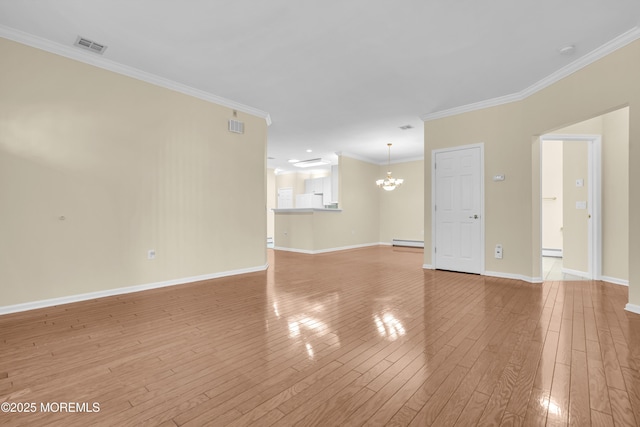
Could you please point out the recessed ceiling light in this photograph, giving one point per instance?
(309, 150)
(405, 127)
(567, 50)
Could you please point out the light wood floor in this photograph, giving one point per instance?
(350, 338)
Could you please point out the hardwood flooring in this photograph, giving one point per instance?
(361, 337)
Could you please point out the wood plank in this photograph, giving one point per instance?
(497, 404)
(579, 410)
(473, 411)
(558, 412)
(621, 408)
(598, 419)
(329, 340)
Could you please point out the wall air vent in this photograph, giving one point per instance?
(236, 126)
(90, 45)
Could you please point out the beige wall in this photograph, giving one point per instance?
(368, 215)
(358, 222)
(131, 167)
(272, 196)
(507, 203)
(294, 180)
(552, 200)
(614, 128)
(402, 210)
(295, 230)
(615, 194)
(510, 134)
(575, 221)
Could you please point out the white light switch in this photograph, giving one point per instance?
(581, 205)
(579, 182)
(498, 177)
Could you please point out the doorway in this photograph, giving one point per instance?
(458, 209)
(570, 202)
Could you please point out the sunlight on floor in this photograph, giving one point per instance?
(552, 270)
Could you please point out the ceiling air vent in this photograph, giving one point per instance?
(311, 162)
(236, 126)
(90, 45)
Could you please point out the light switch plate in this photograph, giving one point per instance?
(579, 182)
(581, 205)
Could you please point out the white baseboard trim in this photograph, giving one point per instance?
(524, 278)
(632, 308)
(324, 251)
(556, 253)
(299, 251)
(126, 290)
(427, 266)
(615, 281)
(576, 273)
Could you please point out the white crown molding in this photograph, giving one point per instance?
(494, 102)
(127, 290)
(621, 41)
(374, 162)
(407, 160)
(591, 57)
(356, 157)
(107, 64)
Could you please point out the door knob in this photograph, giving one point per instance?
(474, 217)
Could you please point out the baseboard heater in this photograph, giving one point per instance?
(409, 243)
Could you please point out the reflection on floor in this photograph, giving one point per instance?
(552, 270)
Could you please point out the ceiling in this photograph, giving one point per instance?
(337, 76)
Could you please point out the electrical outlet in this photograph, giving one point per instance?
(151, 254)
(498, 253)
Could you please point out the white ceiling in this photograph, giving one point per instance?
(337, 76)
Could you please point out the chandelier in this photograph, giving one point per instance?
(389, 183)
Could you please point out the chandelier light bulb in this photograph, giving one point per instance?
(389, 183)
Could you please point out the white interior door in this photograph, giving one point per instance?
(285, 198)
(458, 210)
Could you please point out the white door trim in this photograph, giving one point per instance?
(594, 207)
(479, 145)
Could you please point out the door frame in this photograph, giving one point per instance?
(479, 145)
(594, 205)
